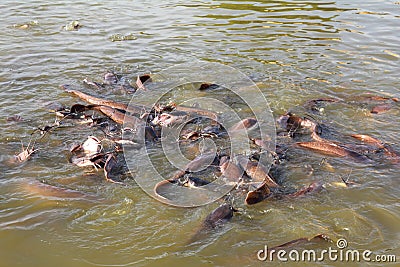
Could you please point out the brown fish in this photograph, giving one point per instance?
(388, 150)
(368, 139)
(381, 108)
(135, 109)
(312, 188)
(231, 171)
(170, 119)
(141, 79)
(215, 219)
(256, 171)
(118, 116)
(293, 123)
(218, 216)
(327, 148)
(259, 194)
(333, 149)
(199, 163)
(302, 241)
(243, 124)
(38, 188)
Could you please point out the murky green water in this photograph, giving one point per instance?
(294, 51)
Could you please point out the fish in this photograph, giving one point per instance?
(368, 139)
(333, 149)
(199, 163)
(218, 216)
(141, 79)
(170, 119)
(257, 171)
(46, 190)
(243, 124)
(381, 108)
(293, 123)
(110, 164)
(231, 171)
(315, 104)
(134, 109)
(259, 194)
(118, 116)
(302, 241)
(265, 143)
(393, 155)
(312, 188)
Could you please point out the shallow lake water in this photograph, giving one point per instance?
(294, 51)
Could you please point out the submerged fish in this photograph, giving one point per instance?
(312, 188)
(381, 108)
(302, 241)
(46, 190)
(218, 216)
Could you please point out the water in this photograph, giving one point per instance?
(293, 50)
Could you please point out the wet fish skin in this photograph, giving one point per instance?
(170, 119)
(134, 109)
(231, 171)
(218, 216)
(368, 139)
(333, 149)
(256, 171)
(388, 150)
(118, 116)
(243, 124)
(198, 163)
(302, 241)
(259, 194)
(312, 188)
